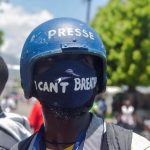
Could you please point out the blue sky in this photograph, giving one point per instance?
(62, 8)
(20, 17)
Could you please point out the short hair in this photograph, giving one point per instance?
(3, 74)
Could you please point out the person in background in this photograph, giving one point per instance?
(99, 107)
(35, 117)
(8, 104)
(63, 65)
(13, 127)
(127, 117)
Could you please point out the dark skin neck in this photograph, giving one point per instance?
(63, 131)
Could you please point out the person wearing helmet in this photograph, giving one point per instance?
(63, 65)
(13, 127)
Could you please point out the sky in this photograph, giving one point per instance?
(61, 8)
(18, 18)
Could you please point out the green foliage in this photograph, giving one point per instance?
(1, 40)
(1, 33)
(124, 26)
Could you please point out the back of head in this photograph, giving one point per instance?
(3, 74)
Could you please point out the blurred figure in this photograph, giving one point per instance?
(100, 107)
(35, 117)
(127, 117)
(8, 104)
(13, 127)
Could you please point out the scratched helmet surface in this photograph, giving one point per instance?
(60, 36)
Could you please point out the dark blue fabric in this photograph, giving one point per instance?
(66, 76)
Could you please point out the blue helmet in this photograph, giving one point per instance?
(60, 36)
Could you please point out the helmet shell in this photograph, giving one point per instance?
(59, 36)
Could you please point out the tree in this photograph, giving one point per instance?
(1, 33)
(124, 26)
(1, 40)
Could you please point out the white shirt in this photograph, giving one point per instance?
(139, 143)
